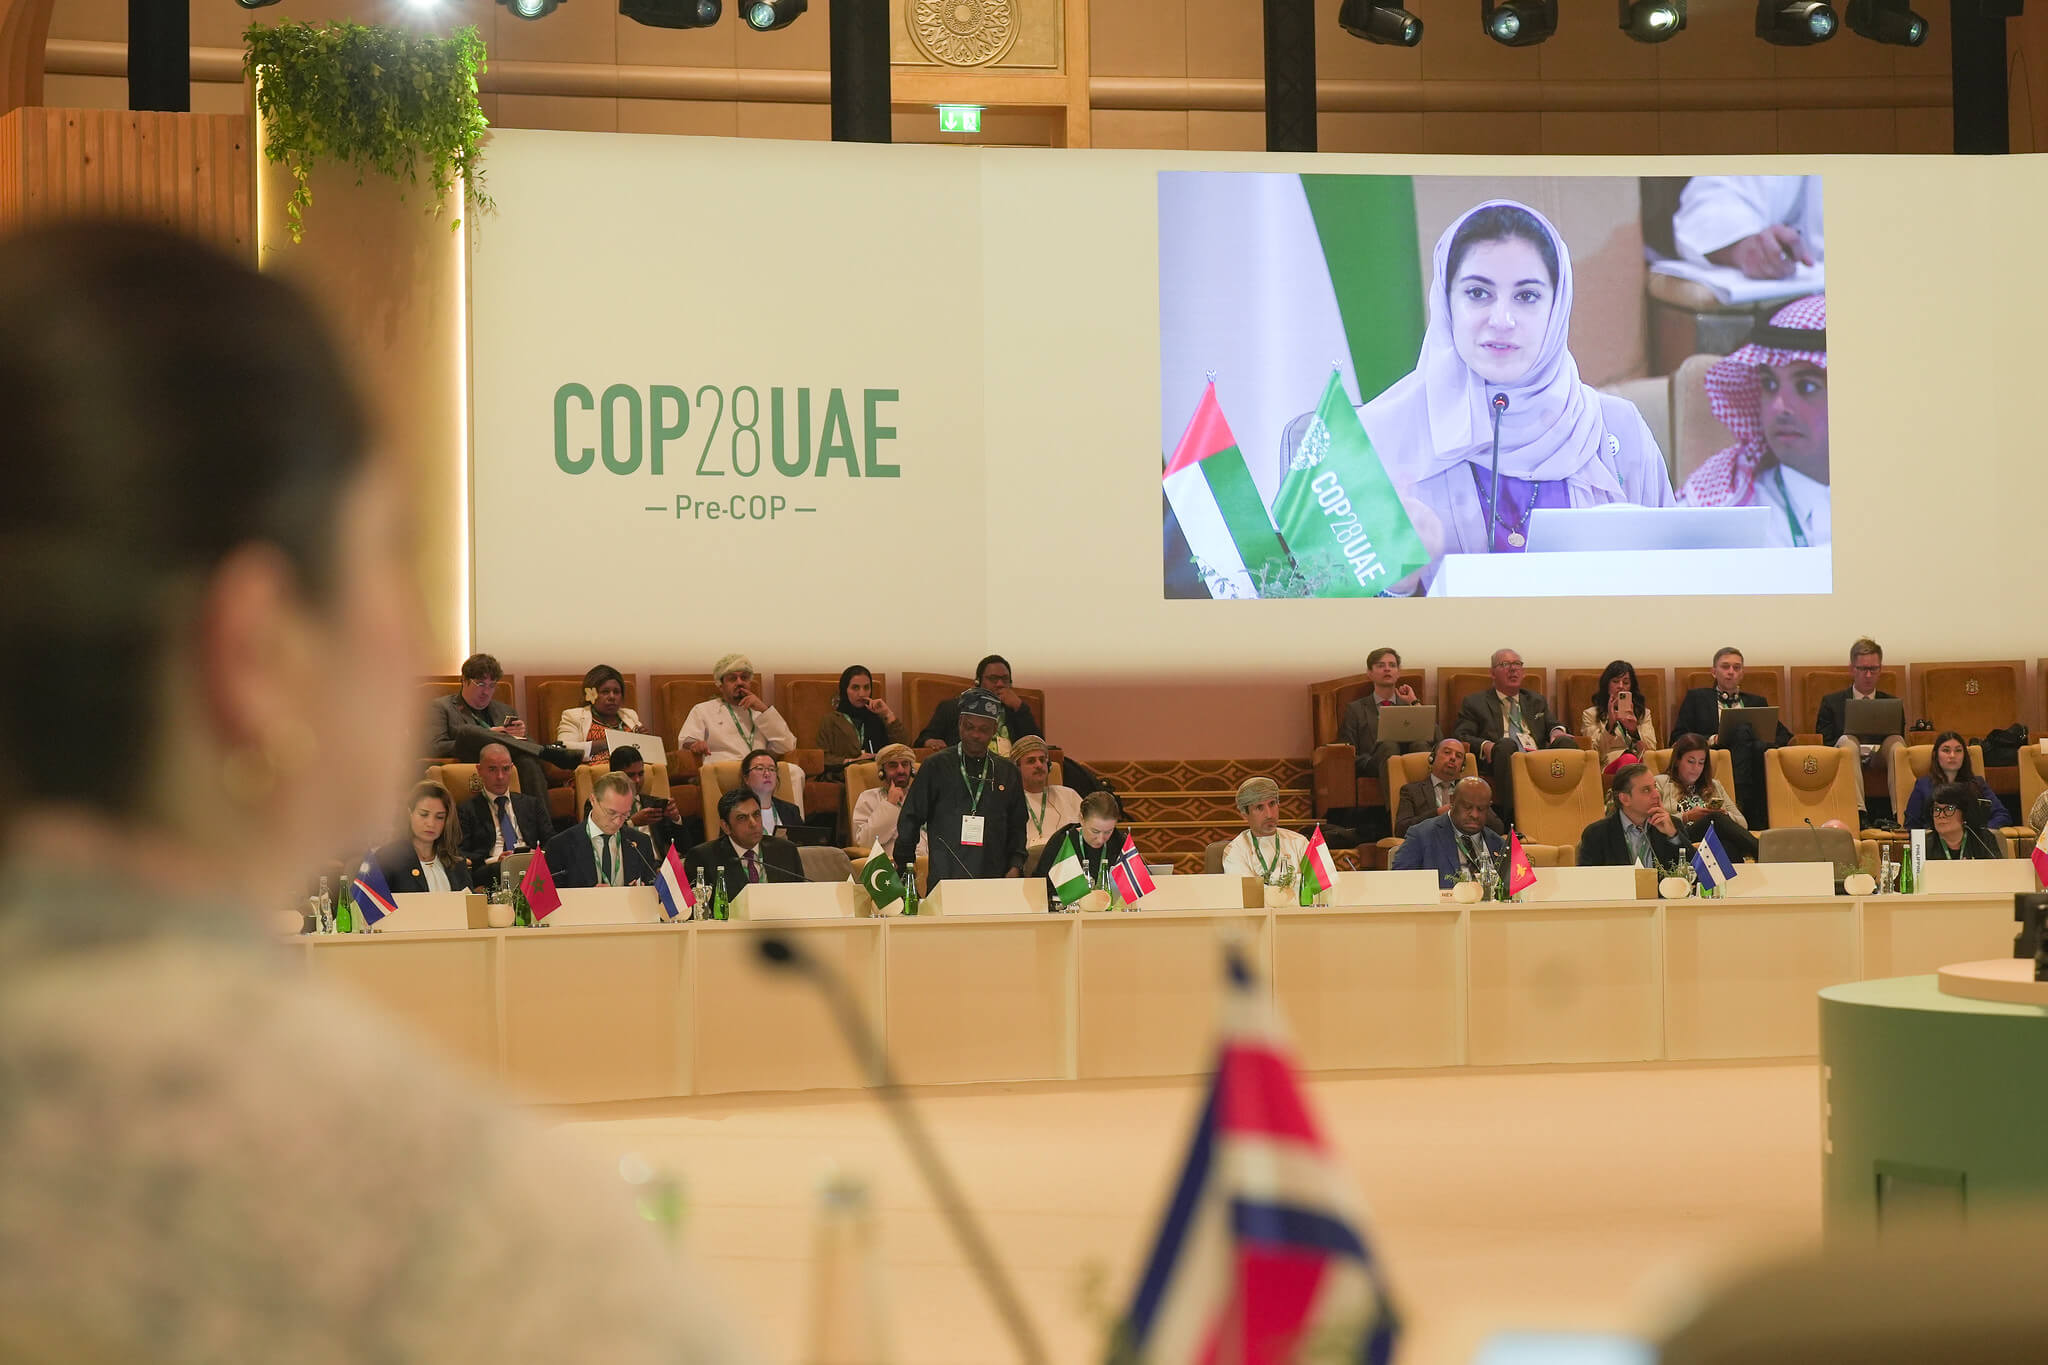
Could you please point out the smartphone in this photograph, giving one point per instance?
(653, 802)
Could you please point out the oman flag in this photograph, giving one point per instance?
(1219, 507)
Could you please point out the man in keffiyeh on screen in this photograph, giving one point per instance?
(1772, 394)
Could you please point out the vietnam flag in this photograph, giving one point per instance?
(538, 886)
(1219, 509)
(1521, 875)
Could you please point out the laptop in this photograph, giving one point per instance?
(1874, 720)
(809, 836)
(1619, 527)
(1762, 721)
(1408, 724)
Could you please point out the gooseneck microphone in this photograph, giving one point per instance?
(1500, 405)
(869, 1054)
(1820, 854)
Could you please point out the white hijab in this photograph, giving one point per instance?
(1437, 415)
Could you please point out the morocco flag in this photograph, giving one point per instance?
(1219, 508)
(539, 888)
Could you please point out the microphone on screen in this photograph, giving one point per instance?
(1500, 405)
(784, 955)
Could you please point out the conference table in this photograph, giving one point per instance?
(575, 1014)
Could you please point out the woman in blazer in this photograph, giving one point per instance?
(430, 857)
(1951, 763)
(582, 727)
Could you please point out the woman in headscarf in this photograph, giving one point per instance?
(860, 724)
(1500, 311)
(1772, 393)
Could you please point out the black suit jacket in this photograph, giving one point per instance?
(1418, 803)
(1700, 714)
(1834, 709)
(1479, 718)
(944, 726)
(1602, 844)
(781, 861)
(573, 862)
(479, 816)
(402, 870)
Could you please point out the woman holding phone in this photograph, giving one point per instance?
(1696, 798)
(1618, 720)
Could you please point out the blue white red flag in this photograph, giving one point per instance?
(672, 888)
(1262, 1257)
(1133, 879)
(371, 893)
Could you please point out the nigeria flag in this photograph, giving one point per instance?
(1068, 877)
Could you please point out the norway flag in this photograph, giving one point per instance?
(1262, 1257)
(1133, 879)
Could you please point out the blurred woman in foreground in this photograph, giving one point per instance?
(208, 1156)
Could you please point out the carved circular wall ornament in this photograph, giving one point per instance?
(1811, 766)
(963, 32)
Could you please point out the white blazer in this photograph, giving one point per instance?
(574, 725)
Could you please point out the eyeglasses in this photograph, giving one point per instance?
(1946, 810)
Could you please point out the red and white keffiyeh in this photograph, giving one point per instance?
(1728, 477)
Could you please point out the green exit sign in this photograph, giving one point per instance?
(959, 118)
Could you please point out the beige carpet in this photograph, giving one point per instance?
(1579, 1197)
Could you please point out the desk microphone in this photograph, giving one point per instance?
(1500, 405)
(1820, 853)
(868, 1053)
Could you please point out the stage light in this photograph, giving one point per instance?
(765, 16)
(526, 9)
(1795, 23)
(1652, 21)
(1518, 23)
(1388, 24)
(672, 13)
(1886, 21)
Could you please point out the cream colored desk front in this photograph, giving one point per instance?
(604, 1012)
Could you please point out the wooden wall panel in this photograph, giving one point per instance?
(188, 172)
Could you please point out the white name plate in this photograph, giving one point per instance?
(421, 910)
(800, 900)
(987, 896)
(1202, 891)
(1782, 879)
(1988, 875)
(1415, 887)
(1592, 884)
(607, 905)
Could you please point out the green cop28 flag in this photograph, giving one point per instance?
(1345, 526)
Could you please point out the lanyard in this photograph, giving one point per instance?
(1798, 536)
(1265, 868)
(1044, 804)
(975, 788)
(749, 732)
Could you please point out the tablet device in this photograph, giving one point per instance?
(1762, 721)
(1874, 720)
(1408, 724)
(808, 836)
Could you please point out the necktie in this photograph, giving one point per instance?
(1514, 718)
(604, 864)
(1638, 844)
(506, 829)
(753, 867)
(1466, 842)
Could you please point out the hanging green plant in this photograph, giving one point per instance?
(377, 99)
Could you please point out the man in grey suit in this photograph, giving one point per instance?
(1431, 797)
(461, 724)
(1360, 726)
(1504, 719)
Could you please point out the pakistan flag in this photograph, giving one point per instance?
(1345, 525)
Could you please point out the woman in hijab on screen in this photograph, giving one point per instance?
(213, 1154)
(1500, 311)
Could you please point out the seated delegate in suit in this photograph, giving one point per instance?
(1046, 807)
(1454, 843)
(459, 725)
(1504, 718)
(1700, 714)
(582, 728)
(1094, 833)
(1692, 794)
(602, 849)
(991, 675)
(1636, 831)
(1956, 836)
(737, 720)
(758, 775)
(1618, 721)
(742, 856)
(1951, 764)
(1264, 850)
(1866, 661)
(1360, 727)
(498, 820)
(1431, 795)
(860, 724)
(430, 857)
(874, 814)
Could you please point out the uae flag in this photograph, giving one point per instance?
(1347, 528)
(1218, 507)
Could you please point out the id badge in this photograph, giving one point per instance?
(970, 830)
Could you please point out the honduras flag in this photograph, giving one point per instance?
(371, 893)
(672, 888)
(1262, 1256)
(1711, 860)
